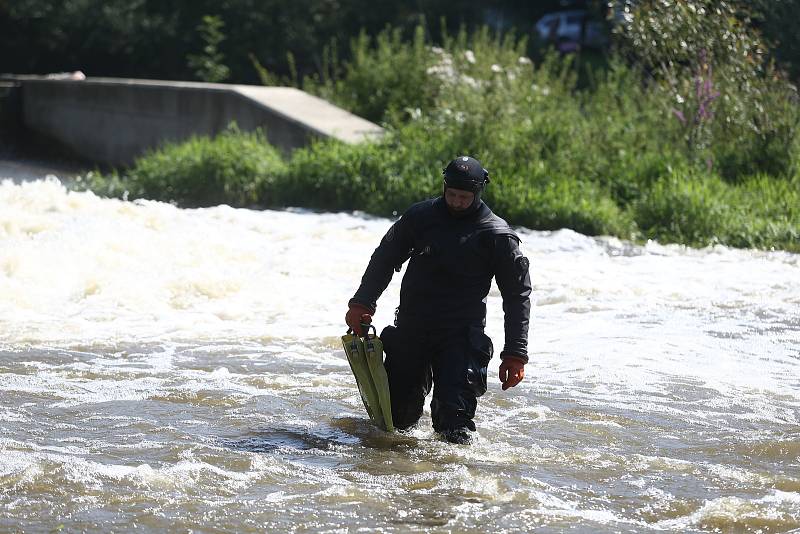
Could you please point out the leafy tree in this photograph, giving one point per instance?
(208, 66)
(777, 22)
(719, 84)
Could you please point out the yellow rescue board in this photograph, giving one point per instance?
(366, 361)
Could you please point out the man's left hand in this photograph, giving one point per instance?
(512, 371)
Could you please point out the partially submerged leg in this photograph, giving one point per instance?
(459, 375)
(409, 371)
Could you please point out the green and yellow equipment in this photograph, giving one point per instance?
(365, 355)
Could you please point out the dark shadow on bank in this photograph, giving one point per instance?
(26, 155)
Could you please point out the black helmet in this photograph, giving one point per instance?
(466, 173)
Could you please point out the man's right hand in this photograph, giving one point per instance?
(353, 317)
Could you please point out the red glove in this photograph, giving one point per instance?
(357, 314)
(512, 371)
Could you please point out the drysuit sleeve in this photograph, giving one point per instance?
(514, 281)
(393, 250)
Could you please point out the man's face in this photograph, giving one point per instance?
(458, 200)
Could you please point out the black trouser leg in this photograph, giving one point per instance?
(409, 371)
(459, 376)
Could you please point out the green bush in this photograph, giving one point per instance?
(686, 208)
(384, 76)
(333, 176)
(769, 214)
(233, 168)
(561, 203)
(734, 110)
(702, 210)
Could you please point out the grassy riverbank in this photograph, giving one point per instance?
(697, 157)
(648, 197)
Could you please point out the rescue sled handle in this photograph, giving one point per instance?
(364, 328)
(366, 325)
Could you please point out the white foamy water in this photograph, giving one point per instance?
(165, 368)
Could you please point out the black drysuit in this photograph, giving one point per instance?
(438, 339)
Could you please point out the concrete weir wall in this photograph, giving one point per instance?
(10, 106)
(113, 120)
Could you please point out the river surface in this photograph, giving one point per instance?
(181, 369)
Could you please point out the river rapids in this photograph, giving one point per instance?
(181, 369)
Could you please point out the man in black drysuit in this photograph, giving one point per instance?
(456, 245)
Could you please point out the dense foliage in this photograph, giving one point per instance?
(612, 159)
(157, 39)
(689, 134)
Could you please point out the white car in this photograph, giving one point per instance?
(568, 29)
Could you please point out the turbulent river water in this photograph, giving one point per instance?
(166, 368)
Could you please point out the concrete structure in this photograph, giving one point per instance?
(10, 107)
(112, 121)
